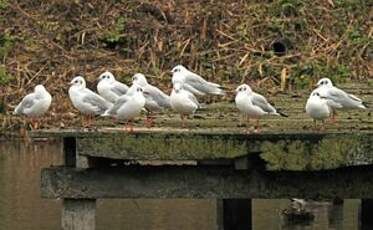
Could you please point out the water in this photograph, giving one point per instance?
(22, 208)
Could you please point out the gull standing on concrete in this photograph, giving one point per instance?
(341, 99)
(319, 108)
(127, 107)
(194, 83)
(85, 100)
(34, 104)
(155, 99)
(253, 105)
(183, 101)
(109, 88)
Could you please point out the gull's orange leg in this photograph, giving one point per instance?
(247, 128)
(257, 128)
(182, 120)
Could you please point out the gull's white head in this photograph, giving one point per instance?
(39, 89)
(178, 87)
(178, 69)
(139, 79)
(107, 76)
(244, 88)
(139, 90)
(325, 82)
(315, 94)
(78, 82)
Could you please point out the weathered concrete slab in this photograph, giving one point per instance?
(289, 151)
(205, 182)
(281, 151)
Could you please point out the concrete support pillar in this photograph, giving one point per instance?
(366, 214)
(234, 214)
(78, 214)
(335, 214)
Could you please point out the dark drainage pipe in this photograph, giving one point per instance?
(279, 47)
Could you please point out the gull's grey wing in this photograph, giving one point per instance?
(27, 102)
(162, 99)
(118, 103)
(353, 97)
(193, 90)
(119, 88)
(200, 84)
(193, 99)
(341, 97)
(333, 104)
(99, 104)
(262, 102)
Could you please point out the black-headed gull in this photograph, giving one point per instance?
(318, 107)
(341, 99)
(85, 100)
(127, 107)
(194, 83)
(183, 101)
(253, 105)
(34, 104)
(155, 99)
(109, 88)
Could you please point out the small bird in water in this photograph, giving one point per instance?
(127, 107)
(194, 83)
(319, 108)
(340, 99)
(85, 100)
(155, 99)
(109, 88)
(183, 102)
(34, 104)
(253, 105)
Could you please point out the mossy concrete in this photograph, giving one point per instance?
(204, 182)
(332, 151)
(280, 151)
(187, 146)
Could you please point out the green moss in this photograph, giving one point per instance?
(3, 4)
(6, 44)
(4, 76)
(164, 147)
(285, 155)
(329, 153)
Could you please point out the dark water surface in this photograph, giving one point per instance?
(22, 208)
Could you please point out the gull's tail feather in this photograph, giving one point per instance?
(364, 105)
(279, 113)
(216, 89)
(106, 113)
(282, 114)
(202, 106)
(219, 91)
(17, 110)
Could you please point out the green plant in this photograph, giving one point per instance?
(3, 4)
(4, 76)
(115, 34)
(6, 44)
